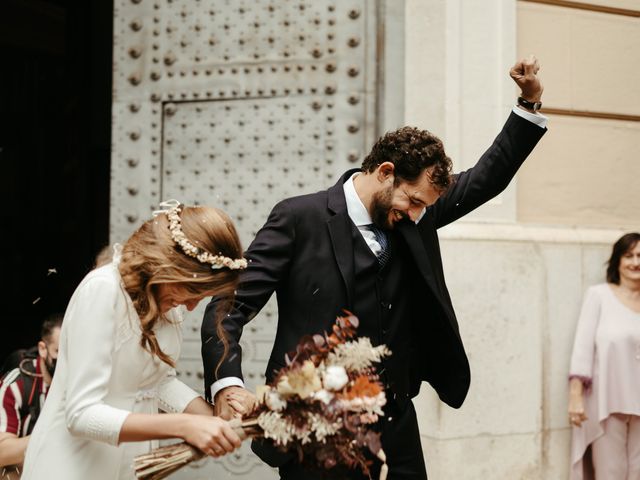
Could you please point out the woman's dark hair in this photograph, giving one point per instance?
(411, 151)
(624, 244)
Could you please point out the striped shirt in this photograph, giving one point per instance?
(13, 396)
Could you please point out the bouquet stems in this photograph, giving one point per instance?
(162, 462)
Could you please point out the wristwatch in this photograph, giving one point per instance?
(533, 106)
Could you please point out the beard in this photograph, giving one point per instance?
(381, 207)
(50, 364)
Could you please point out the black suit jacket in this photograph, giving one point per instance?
(304, 253)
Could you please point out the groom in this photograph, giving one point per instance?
(369, 244)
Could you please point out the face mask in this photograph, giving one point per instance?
(50, 364)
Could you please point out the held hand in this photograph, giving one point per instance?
(525, 74)
(212, 435)
(241, 400)
(233, 402)
(577, 414)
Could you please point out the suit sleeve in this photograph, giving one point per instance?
(491, 174)
(269, 256)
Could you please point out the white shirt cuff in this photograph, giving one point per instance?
(224, 383)
(536, 118)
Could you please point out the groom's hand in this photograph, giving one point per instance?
(233, 402)
(525, 74)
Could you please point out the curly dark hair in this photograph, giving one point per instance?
(411, 151)
(624, 244)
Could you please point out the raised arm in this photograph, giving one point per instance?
(499, 164)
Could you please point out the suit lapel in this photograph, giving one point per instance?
(340, 231)
(342, 241)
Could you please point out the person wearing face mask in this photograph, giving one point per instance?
(22, 393)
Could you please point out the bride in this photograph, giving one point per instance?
(119, 343)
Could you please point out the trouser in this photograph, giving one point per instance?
(400, 442)
(616, 454)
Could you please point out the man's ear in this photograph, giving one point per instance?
(42, 349)
(385, 171)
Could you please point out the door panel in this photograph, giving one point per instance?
(237, 104)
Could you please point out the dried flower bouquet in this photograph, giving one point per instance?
(321, 406)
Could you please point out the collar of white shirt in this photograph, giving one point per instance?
(355, 208)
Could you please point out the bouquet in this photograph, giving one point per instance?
(321, 406)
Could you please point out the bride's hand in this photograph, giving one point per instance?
(211, 435)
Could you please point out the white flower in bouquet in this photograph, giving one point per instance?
(276, 428)
(357, 355)
(274, 401)
(324, 396)
(302, 382)
(366, 404)
(335, 377)
(323, 428)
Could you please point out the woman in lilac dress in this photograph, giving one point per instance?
(604, 398)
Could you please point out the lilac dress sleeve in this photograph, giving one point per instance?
(584, 343)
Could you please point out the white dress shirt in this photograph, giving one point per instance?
(359, 214)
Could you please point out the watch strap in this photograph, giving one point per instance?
(535, 106)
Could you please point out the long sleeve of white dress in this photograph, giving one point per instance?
(173, 395)
(90, 336)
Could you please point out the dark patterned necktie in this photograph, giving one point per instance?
(383, 240)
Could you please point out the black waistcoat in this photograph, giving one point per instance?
(381, 302)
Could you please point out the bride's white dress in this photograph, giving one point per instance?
(102, 375)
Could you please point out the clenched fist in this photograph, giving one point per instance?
(525, 74)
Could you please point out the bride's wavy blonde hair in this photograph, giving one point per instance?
(151, 257)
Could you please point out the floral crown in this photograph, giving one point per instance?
(172, 209)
